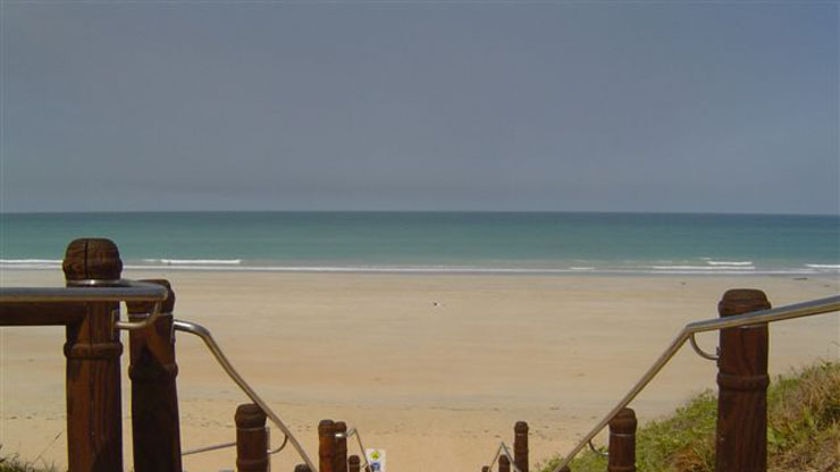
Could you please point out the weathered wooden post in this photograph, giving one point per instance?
(741, 444)
(486, 468)
(154, 395)
(354, 464)
(520, 446)
(251, 439)
(504, 463)
(326, 446)
(340, 457)
(93, 349)
(622, 446)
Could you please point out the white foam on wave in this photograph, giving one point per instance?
(713, 268)
(236, 267)
(729, 263)
(200, 262)
(30, 263)
(823, 266)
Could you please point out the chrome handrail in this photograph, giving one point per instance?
(355, 432)
(121, 290)
(503, 450)
(207, 337)
(797, 310)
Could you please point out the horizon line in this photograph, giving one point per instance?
(452, 211)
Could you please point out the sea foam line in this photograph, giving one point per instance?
(200, 262)
(30, 263)
(729, 263)
(823, 266)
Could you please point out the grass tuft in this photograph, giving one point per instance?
(11, 463)
(803, 430)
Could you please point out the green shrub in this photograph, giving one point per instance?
(803, 430)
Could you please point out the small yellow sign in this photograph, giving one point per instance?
(376, 459)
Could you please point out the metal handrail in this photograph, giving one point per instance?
(207, 337)
(355, 432)
(121, 290)
(503, 450)
(797, 310)
(118, 291)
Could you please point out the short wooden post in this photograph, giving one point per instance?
(504, 463)
(622, 448)
(520, 446)
(741, 444)
(93, 349)
(251, 439)
(486, 468)
(326, 446)
(340, 457)
(302, 468)
(354, 464)
(154, 396)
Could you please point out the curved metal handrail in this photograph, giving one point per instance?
(355, 432)
(797, 310)
(503, 450)
(207, 337)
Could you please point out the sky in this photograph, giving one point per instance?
(443, 106)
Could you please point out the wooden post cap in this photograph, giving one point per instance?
(326, 427)
(742, 300)
(624, 422)
(504, 463)
(92, 259)
(249, 415)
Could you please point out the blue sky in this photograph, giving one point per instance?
(632, 106)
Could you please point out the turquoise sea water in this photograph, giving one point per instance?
(437, 242)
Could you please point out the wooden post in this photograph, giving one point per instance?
(251, 439)
(741, 444)
(326, 446)
(154, 396)
(302, 468)
(485, 468)
(520, 446)
(504, 463)
(354, 464)
(340, 457)
(93, 349)
(622, 447)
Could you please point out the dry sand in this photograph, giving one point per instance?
(433, 369)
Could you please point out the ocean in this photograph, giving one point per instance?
(437, 242)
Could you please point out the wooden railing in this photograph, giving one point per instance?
(89, 308)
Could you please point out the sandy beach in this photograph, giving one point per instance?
(434, 369)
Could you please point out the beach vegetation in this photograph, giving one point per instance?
(803, 430)
(12, 463)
